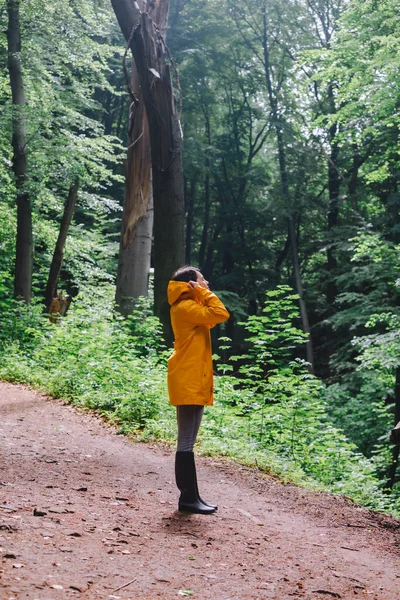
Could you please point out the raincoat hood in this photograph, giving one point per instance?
(176, 289)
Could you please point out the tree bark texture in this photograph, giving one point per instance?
(150, 54)
(134, 262)
(134, 257)
(58, 256)
(24, 242)
(137, 218)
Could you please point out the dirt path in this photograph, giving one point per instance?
(84, 512)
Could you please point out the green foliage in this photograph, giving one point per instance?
(360, 407)
(279, 409)
(91, 359)
(274, 336)
(362, 403)
(368, 286)
(20, 324)
(146, 329)
(68, 56)
(292, 438)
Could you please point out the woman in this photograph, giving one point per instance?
(194, 310)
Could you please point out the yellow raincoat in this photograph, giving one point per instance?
(190, 368)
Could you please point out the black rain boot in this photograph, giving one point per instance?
(214, 506)
(186, 481)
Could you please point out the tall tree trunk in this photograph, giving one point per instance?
(281, 257)
(278, 126)
(207, 266)
(189, 210)
(206, 221)
(137, 217)
(58, 256)
(24, 243)
(299, 288)
(333, 206)
(150, 54)
(134, 263)
(134, 257)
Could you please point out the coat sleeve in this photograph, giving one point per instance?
(211, 313)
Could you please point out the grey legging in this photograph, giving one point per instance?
(189, 418)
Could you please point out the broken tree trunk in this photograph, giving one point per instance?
(150, 54)
(58, 256)
(134, 257)
(24, 243)
(137, 219)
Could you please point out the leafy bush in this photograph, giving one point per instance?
(90, 359)
(279, 410)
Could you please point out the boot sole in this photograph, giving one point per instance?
(197, 511)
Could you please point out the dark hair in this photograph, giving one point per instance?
(186, 273)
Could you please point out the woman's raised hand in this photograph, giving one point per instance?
(198, 285)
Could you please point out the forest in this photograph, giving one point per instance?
(257, 140)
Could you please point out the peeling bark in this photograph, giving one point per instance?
(137, 219)
(150, 54)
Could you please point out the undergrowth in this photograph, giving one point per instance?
(269, 410)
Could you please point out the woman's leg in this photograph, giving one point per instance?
(189, 418)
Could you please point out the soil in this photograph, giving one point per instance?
(86, 513)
